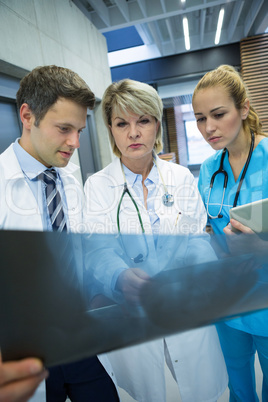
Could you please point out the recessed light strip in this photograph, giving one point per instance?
(219, 26)
(186, 33)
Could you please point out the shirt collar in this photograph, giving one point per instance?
(132, 178)
(30, 166)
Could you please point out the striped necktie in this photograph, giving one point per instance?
(54, 202)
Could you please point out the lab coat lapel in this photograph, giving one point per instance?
(167, 214)
(74, 196)
(22, 210)
(167, 224)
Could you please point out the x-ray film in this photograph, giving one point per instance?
(59, 298)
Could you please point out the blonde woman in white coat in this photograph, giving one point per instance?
(132, 112)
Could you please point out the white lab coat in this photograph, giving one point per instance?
(19, 211)
(195, 356)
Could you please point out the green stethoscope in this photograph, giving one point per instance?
(167, 199)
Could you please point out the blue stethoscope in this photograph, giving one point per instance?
(167, 199)
(222, 171)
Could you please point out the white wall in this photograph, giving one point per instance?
(41, 32)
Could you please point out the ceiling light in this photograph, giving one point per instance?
(219, 26)
(186, 33)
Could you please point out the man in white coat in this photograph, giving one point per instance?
(53, 104)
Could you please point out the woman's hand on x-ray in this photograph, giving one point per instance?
(130, 283)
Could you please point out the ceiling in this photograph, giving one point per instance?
(159, 22)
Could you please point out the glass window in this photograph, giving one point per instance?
(9, 127)
(198, 148)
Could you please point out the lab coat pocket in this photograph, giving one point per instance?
(187, 225)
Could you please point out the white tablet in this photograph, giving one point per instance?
(253, 215)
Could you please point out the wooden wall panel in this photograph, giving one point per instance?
(172, 132)
(254, 70)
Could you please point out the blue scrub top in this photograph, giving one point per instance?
(254, 187)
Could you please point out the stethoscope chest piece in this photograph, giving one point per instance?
(168, 199)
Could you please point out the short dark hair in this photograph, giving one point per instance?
(43, 86)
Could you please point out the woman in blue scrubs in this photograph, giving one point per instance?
(231, 126)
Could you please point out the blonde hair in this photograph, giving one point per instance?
(228, 78)
(136, 97)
